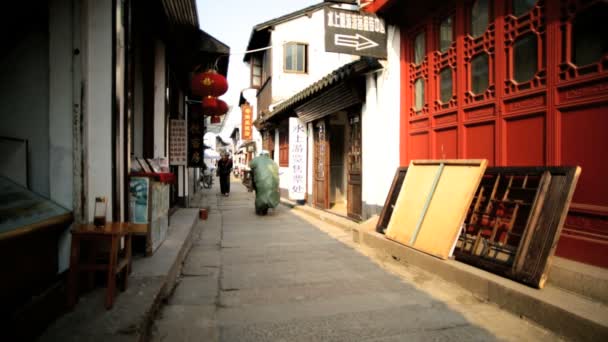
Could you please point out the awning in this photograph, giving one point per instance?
(333, 92)
(339, 97)
(181, 12)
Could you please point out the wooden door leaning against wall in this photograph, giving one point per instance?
(321, 166)
(354, 168)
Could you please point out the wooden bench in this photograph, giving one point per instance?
(114, 262)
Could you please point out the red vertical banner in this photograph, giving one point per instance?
(246, 121)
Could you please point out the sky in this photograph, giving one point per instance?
(231, 21)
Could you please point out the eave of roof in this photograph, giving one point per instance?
(259, 29)
(181, 12)
(347, 71)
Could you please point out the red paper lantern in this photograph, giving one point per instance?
(209, 105)
(209, 83)
(215, 119)
(221, 107)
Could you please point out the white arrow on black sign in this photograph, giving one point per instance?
(357, 41)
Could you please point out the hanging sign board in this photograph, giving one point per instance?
(297, 158)
(354, 33)
(177, 142)
(246, 122)
(195, 139)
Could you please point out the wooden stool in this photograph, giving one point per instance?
(111, 233)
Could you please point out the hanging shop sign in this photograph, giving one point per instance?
(297, 158)
(177, 142)
(195, 138)
(246, 121)
(354, 33)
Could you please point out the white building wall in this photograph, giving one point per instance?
(380, 128)
(60, 102)
(60, 115)
(98, 103)
(138, 105)
(309, 30)
(159, 99)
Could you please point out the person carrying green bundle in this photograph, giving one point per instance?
(265, 180)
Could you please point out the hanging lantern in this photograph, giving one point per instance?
(209, 105)
(209, 83)
(221, 107)
(215, 119)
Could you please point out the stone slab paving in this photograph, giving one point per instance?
(285, 277)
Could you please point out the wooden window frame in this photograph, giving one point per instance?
(253, 60)
(295, 71)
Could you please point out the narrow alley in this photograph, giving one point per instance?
(287, 277)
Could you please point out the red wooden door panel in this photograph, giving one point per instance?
(550, 112)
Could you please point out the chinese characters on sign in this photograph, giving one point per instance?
(195, 139)
(247, 121)
(177, 142)
(297, 158)
(354, 33)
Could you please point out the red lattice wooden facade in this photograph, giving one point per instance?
(557, 116)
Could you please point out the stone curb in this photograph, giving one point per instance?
(168, 285)
(562, 312)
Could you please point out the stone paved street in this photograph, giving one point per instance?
(287, 277)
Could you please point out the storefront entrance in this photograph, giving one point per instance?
(337, 164)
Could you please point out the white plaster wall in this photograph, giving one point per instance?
(60, 102)
(24, 100)
(60, 115)
(98, 108)
(159, 99)
(380, 126)
(138, 104)
(320, 63)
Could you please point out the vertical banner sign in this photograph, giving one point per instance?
(297, 158)
(195, 138)
(354, 33)
(246, 122)
(177, 142)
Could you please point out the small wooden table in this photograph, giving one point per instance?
(111, 233)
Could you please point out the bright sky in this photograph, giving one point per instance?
(231, 21)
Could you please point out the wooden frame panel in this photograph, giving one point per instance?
(515, 221)
(432, 204)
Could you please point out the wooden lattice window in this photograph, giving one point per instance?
(418, 73)
(584, 49)
(521, 7)
(525, 46)
(446, 34)
(480, 17)
(479, 53)
(419, 48)
(479, 73)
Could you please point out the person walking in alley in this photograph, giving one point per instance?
(224, 167)
(265, 180)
